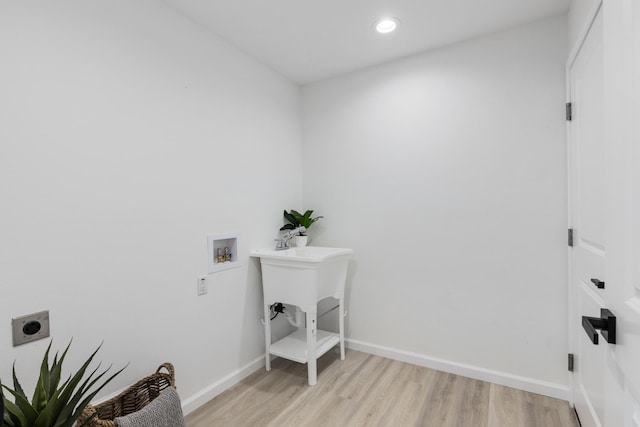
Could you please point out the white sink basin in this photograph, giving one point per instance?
(303, 276)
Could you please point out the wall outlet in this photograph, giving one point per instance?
(202, 285)
(29, 328)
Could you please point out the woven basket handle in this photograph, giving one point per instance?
(172, 373)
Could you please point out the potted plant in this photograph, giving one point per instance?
(53, 404)
(296, 219)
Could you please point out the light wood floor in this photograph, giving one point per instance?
(367, 390)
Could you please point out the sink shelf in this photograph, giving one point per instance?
(294, 346)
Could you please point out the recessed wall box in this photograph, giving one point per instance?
(228, 241)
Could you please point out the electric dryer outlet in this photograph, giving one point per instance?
(31, 327)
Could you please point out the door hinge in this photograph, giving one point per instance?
(570, 237)
(569, 111)
(570, 362)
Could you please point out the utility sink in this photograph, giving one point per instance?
(302, 277)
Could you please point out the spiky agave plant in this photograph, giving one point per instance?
(53, 404)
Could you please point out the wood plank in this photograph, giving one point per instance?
(516, 408)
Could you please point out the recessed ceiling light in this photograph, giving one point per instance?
(386, 25)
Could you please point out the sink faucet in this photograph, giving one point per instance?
(283, 242)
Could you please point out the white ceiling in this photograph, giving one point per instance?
(314, 40)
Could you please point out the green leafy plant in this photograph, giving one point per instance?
(296, 219)
(53, 404)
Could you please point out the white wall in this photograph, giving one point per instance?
(579, 12)
(446, 173)
(127, 133)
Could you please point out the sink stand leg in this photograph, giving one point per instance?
(341, 327)
(311, 348)
(267, 336)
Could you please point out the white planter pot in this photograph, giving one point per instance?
(301, 241)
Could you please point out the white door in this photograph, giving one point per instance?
(586, 163)
(604, 137)
(622, 214)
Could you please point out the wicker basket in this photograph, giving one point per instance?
(131, 400)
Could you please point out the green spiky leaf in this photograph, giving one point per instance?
(16, 384)
(56, 370)
(89, 397)
(22, 403)
(15, 414)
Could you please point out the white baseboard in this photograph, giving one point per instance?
(532, 385)
(203, 396)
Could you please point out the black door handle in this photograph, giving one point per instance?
(606, 323)
(598, 283)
